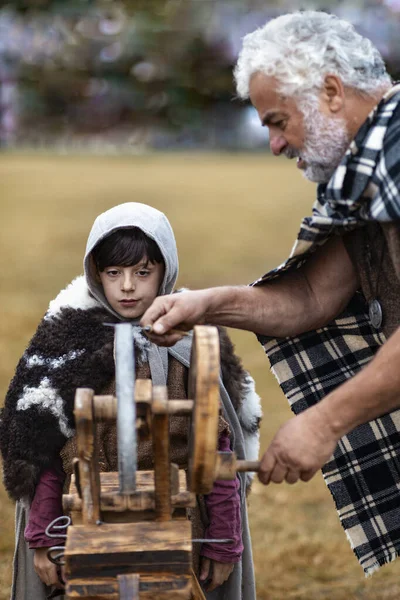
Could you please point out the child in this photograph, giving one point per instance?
(131, 257)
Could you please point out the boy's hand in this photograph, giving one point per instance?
(46, 570)
(216, 572)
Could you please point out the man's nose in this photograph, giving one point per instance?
(277, 143)
(128, 282)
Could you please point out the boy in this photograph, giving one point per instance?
(131, 257)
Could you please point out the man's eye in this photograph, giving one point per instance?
(281, 124)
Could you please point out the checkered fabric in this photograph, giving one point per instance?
(363, 475)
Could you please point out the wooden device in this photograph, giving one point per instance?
(130, 538)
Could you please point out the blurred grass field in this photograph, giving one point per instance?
(234, 218)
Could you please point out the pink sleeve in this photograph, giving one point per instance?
(46, 506)
(223, 507)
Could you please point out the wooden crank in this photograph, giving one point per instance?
(130, 537)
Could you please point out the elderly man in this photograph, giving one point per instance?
(328, 318)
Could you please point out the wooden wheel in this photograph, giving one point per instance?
(204, 390)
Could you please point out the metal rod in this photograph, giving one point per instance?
(55, 554)
(59, 524)
(126, 412)
(212, 541)
(149, 329)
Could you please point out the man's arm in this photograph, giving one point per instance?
(306, 442)
(299, 301)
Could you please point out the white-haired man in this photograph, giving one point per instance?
(324, 94)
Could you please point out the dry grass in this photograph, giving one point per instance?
(234, 218)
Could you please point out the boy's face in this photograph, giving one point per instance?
(131, 290)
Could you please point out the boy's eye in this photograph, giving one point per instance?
(112, 272)
(143, 273)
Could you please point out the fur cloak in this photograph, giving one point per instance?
(72, 348)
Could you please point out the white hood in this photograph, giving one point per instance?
(153, 223)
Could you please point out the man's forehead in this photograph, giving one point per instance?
(265, 89)
(266, 83)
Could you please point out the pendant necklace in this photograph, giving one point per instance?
(374, 306)
(375, 313)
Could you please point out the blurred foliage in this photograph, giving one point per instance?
(94, 65)
(90, 65)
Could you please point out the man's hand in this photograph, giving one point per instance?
(181, 310)
(46, 570)
(300, 447)
(214, 571)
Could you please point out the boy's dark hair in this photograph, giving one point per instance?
(126, 248)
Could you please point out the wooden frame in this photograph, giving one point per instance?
(138, 544)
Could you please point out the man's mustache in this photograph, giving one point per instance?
(291, 153)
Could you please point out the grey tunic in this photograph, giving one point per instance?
(26, 584)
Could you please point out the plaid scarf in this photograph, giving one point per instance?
(363, 475)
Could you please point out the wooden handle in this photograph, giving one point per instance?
(247, 465)
(228, 465)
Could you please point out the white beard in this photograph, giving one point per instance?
(326, 141)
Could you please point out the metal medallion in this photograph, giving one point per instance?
(375, 313)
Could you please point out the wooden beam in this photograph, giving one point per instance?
(88, 455)
(145, 481)
(162, 465)
(109, 550)
(161, 587)
(105, 407)
(121, 503)
(179, 408)
(114, 506)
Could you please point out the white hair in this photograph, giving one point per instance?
(301, 48)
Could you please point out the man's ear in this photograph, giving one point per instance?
(333, 94)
